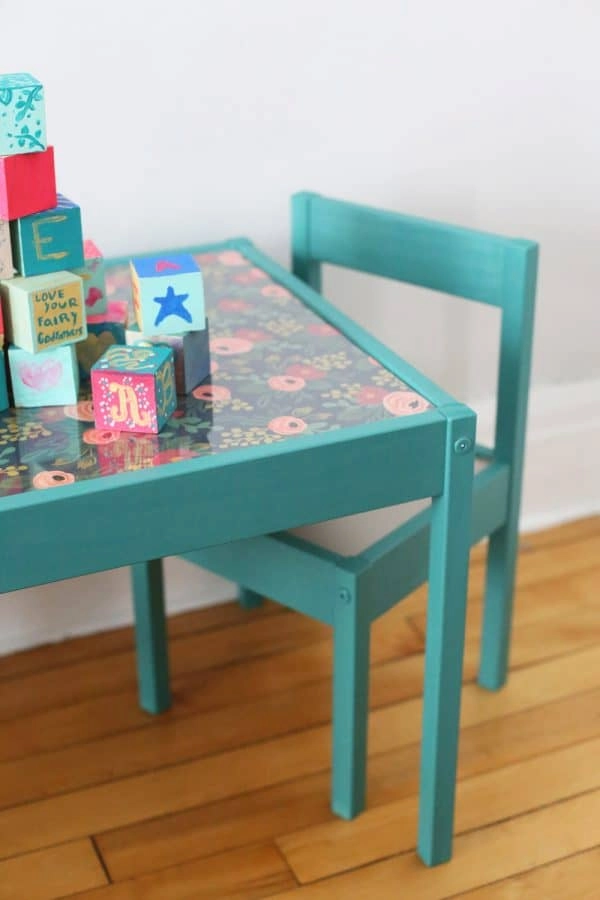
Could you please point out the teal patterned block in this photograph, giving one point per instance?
(22, 115)
(50, 378)
(190, 352)
(49, 241)
(168, 294)
(3, 384)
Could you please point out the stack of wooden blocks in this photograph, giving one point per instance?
(48, 278)
(134, 387)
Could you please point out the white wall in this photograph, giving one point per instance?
(179, 122)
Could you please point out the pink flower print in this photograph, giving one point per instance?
(232, 258)
(274, 290)
(214, 366)
(321, 329)
(233, 305)
(52, 478)
(212, 393)
(94, 294)
(253, 334)
(404, 403)
(309, 373)
(100, 436)
(286, 383)
(370, 395)
(229, 346)
(206, 258)
(286, 425)
(84, 411)
(250, 276)
(174, 455)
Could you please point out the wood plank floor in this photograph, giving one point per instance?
(226, 795)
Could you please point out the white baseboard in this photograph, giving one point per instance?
(562, 482)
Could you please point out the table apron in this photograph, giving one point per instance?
(75, 534)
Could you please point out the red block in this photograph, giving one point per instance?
(27, 184)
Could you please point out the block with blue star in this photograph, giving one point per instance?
(168, 294)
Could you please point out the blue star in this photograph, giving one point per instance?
(172, 305)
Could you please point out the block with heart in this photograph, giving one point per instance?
(22, 114)
(27, 184)
(133, 388)
(168, 294)
(49, 241)
(190, 354)
(43, 379)
(92, 273)
(7, 270)
(3, 383)
(44, 311)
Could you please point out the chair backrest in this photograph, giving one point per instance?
(466, 263)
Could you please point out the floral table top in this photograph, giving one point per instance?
(277, 371)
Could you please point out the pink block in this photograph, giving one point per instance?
(90, 251)
(124, 402)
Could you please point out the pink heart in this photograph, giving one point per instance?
(163, 264)
(41, 376)
(94, 294)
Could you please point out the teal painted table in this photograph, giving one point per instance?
(306, 418)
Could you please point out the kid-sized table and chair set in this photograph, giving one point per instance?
(260, 452)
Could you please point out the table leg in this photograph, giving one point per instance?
(446, 611)
(151, 636)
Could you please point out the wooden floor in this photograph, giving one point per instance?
(226, 796)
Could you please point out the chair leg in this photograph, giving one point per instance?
(499, 595)
(351, 634)
(151, 636)
(446, 612)
(248, 599)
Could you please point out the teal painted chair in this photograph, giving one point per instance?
(476, 266)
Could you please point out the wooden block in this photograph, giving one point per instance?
(190, 353)
(133, 388)
(44, 311)
(92, 348)
(3, 383)
(92, 272)
(49, 241)
(7, 269)
(43, 379)
(27, 184)
(168, 294)
(22, 114)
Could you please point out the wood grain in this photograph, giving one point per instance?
(227, 795)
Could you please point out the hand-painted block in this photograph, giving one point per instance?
(133, 389)
(44, 311)
(27, 184)
(22, 115)
(43, 379)
(113, 320)
(3, 383)
(190, 354)
(48, 241)
(7, 270)
(168, 294)
(93, 278)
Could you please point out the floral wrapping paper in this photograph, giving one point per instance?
(278, 371)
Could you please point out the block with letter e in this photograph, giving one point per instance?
(133, 388)
(49, 241)
(43, 379)
(168, 294)
(44, 311)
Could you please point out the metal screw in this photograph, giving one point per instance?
(463, 445)
(344, 595)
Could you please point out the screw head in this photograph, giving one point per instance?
(463, 445)
(344, 595)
